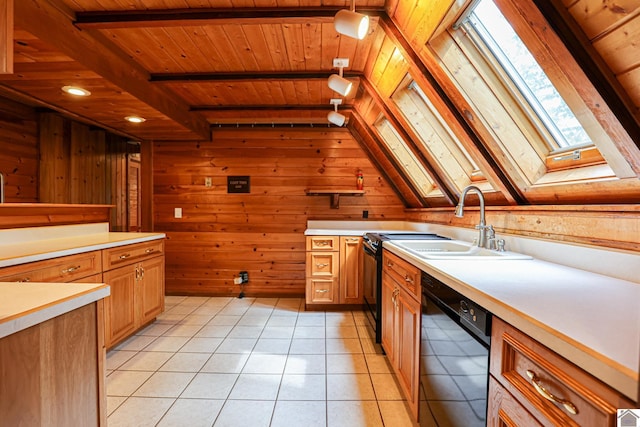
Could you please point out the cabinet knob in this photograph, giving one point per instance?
(570, 407)
(24, 280)
(148, 251)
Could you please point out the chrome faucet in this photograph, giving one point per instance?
(485, 240)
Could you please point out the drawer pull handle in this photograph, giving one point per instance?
(570, 407)
(389, 264)
(25, 280)
(148, 251)
(71, 269)
(322, 243)
(322, 291)
(125, 256)
(322, 265)
(408, 279)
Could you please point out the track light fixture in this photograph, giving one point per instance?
(351, 23)
(336, 81)
(333, 116)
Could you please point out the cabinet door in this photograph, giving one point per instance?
(388, 315)
(350, 268)
(119, 307)
(150, 290)
(504, 410)
(408, 350)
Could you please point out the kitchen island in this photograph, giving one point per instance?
(52, 354)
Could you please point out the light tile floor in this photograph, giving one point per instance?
(252, 362)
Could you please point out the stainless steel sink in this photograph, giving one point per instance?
(454, 249)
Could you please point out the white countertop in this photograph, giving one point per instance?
(19, 246)
(590, 319)
(24, 305)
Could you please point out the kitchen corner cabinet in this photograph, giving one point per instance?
(532, 385)
(401, 313)
(333, 270)
(135, 274)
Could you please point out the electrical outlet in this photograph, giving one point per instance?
(208, 182)
(365, 214)
(177, 212)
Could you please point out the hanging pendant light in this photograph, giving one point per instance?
(333, 116)
(351, 23)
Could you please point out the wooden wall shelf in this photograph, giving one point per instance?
(334, 194)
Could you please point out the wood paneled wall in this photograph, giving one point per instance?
(262, 232)
(80, 164)
(19, 152)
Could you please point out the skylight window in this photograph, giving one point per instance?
(525, 72)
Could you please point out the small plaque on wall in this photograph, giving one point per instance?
(238, 184)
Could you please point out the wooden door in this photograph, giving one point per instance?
(134, 221)
(119, 308)
(350, 270)
(150, 289)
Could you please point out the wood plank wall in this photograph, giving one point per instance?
(19, 152)
(221, 234)
(83, 165)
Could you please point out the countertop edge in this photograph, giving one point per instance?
(54, 308)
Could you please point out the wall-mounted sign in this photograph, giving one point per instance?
(238, 184)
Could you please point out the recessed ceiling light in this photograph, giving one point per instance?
(75, 90)
(135, 119)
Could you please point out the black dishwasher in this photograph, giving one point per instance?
(454, 358)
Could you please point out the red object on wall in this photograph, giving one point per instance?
(359, 181)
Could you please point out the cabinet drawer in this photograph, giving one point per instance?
(407, 275)
(129, 254)
(63, 269)
(323, 243)
(322, 264)
(321, 291)
(519, 363)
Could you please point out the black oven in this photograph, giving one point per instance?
(372, 270)
(454, 358)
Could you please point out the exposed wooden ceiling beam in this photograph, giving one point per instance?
(6, 36)
(208, 16)
(244, 76)
(511, 192)
(437, 177)
(262, 107)
(47, 22)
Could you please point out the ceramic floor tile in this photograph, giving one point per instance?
(225, 320)
(206, 311)
(386, 387)
(139, 412)
(169, 319)
(165, 384)
(210, 386)
(341, 332)
(343, 345)
(181, 309)
(240, 331)
(192, 413)
(307, 346)
(113, 402)
(256, 387)
(309, 332)
(182, 331)
(378, 364)
(257, 318)
(196, 319)
(277, 332)
(237, 345)
(135, 343)
(346, 364)
(201, 345)
(124, 383)
(396, 414)
(300, 413)
(265, 364)
(349, 387)
(214, 331)
(303, 387)
(279, 320)
(310, 319)
(273, 346)
(167, 344)
(226, 363)
(339, 319)
(116, 358)
(146, 361)
(305, 364)
(240, 413)
(234, 311)
(369, 346)
(185, 362)
(353, 414)
(194, 301)
(155, 329)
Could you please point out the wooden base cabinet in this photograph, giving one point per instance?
(137, 288)
(333, 270)
(401, 315)
(532, 385)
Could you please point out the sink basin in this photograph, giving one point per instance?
(454, 249)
